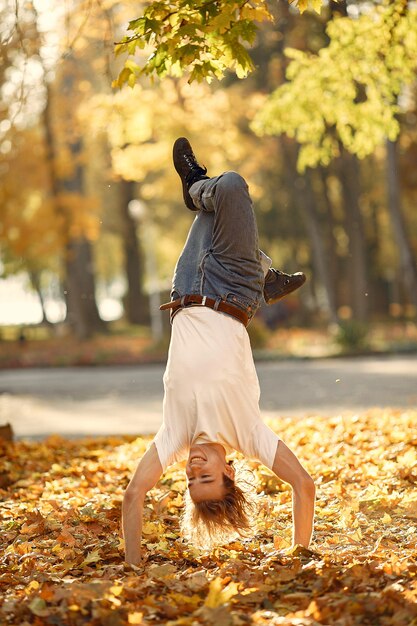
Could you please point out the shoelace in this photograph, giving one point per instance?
(195, 168)
(191, 160)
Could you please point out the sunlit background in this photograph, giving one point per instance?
(91, 214)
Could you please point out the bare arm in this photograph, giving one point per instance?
(289, 469)
(145, 477)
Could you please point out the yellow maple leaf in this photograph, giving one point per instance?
(218, 595)
(92, 557)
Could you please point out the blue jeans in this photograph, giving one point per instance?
(221, 257)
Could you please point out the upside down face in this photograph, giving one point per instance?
(205, 469)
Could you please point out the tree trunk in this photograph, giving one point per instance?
(135, 302)
(303, 191)
(320, 258)
(332, 258)
(408, 267)
(82, 310)
(36, 284)
(350, 181)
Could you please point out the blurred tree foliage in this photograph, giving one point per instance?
(347, 93)
(202, 38)
(45, 81)
(74, 154)
(342, 97)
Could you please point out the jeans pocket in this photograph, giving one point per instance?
(249, 306)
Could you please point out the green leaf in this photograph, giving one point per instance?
(138, 25)
(121, 47)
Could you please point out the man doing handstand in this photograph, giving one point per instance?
(211, 400)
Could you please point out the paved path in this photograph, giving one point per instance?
(111, 400)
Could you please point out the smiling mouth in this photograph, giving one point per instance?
(198, 459)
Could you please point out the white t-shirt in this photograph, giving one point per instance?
(211, 390)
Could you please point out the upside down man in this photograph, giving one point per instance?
(211, 400)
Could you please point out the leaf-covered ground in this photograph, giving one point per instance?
(61, 555)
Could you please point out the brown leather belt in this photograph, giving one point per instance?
(217, 305)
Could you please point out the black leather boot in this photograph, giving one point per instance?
(188, 169)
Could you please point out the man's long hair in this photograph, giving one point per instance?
(209, 523)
